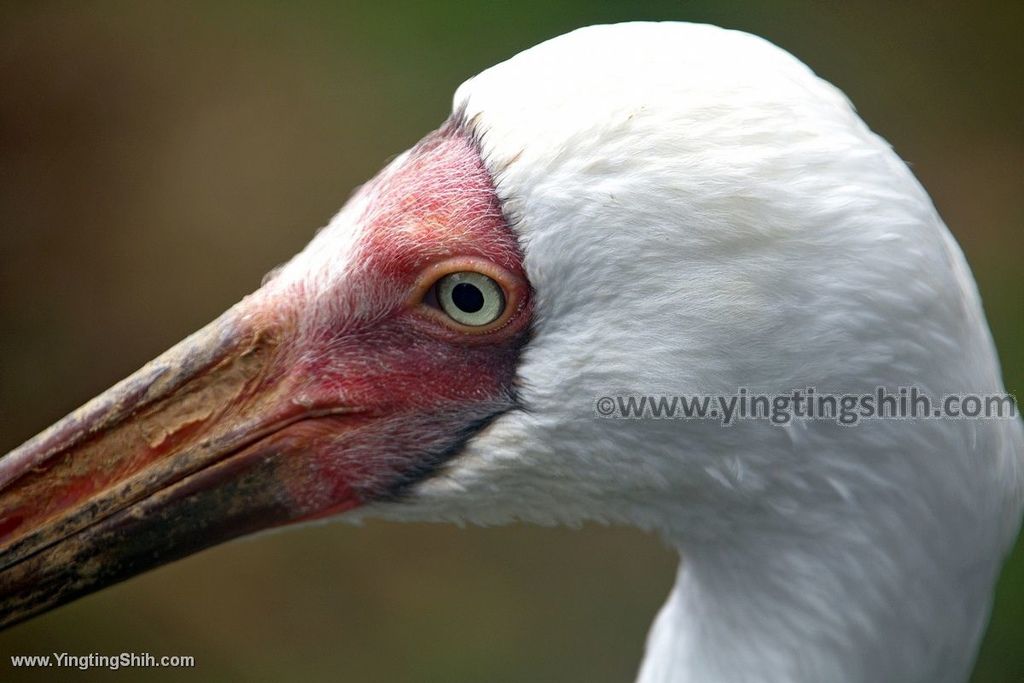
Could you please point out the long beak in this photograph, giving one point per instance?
(197, 447)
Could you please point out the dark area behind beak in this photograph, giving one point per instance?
(190, 451)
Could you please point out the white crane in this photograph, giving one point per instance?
(632, 209)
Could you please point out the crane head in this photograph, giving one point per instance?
(640, 208)
(355, 371)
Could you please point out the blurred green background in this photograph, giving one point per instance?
(157, 158)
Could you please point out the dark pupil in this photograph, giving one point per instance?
(467, 297)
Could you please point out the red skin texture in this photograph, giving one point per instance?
(419, 379)
(318, 393)
(404, 385)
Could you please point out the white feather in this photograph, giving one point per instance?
(699, 212)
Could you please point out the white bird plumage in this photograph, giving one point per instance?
(667, 209)
(699, 212)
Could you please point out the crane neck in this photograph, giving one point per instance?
(780, 606)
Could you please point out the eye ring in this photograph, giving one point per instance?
(470, 298)
(514, 291)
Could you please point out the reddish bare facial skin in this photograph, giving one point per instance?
(422, 384)
(310, 397)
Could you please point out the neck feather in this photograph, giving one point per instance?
(844, 607)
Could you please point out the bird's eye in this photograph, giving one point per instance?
(470, 298)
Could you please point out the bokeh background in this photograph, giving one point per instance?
(156, 158)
